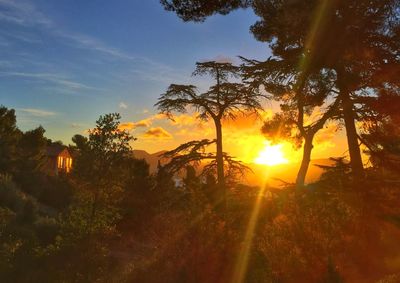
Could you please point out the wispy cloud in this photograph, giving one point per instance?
(22, 13)
(93, 44)
(36, 112)
(53, 78)
(25, 13)
(20, 36)
(5, 63)
(58, 75)
(123, 105)
(156, 72)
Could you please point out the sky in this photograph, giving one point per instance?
(64, 63)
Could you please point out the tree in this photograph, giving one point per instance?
(100, 156)
(356, 39)
(322, 34)
(32, 151)
(195, 152)
(101, 159)
(380, 131)
(9, 136)
(222, 100)
(299, 97)
(198, 10)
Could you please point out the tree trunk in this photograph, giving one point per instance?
(305, 162)
(220, 162)
(349, 121)
(351, 133)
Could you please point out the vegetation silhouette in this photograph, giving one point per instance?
(111, 219)
(298, 98)
(223, 100)
(321, 35)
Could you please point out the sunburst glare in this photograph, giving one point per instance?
(271, 155)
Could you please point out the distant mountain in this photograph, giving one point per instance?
(151, 158)
(262, 175)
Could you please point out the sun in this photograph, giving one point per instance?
(271, 155)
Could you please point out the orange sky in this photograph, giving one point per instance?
(242, 137)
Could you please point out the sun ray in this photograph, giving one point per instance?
(242, 261)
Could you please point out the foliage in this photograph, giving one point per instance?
(198, 10)
(380, 130)
(223, 100)
(9, 134)
(112, 221)
(101, 156)
(118, 229)
(317, 37)
(194, 153)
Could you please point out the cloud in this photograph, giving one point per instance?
(145, 123)
(327, 133)
(37, 112)
(26, 14)
(53, 78)
(143, 68)
(75, 125)
(142, 124)
(5, 63)
(21, 36)
(122, 105)
(93, 44)
(185, 120)
(157, 133)
(133, 125)
(127, 126)
(22, 13)
(155, 117)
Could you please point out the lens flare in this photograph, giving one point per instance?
(271, 155)
(242, 260)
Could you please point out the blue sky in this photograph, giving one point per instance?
(63, 63)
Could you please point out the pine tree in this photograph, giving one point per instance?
(224, 99)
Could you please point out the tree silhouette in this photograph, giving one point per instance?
(322, 34)
(192, 154)
(198, 10)
(223, 100)
(283, 80)
(357, 39)
(101, 161)
(380, 131)
(9, 136)
(32, 151)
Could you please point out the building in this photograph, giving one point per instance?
(59, 159)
